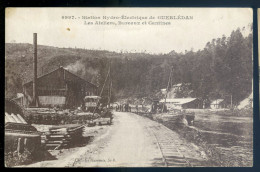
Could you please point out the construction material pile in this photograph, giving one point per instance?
(59, 117)
(64, 136)
(22, 140)
(14, 118)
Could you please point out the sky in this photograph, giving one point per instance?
(180, 35)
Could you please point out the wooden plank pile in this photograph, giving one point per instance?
(64, 136)
(102, 121)
(14, 118)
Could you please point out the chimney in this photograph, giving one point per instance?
(35, 70)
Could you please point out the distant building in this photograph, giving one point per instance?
(182, 103)
(217, 104)
(177, 87)
(181, 86)
(174, 89)
(59, 88)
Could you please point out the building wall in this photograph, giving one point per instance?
(191, 105)
(217, 106)
(52, 101)
(59, 83)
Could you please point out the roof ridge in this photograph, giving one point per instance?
(42, 75)
(76, 75)
(61, 67)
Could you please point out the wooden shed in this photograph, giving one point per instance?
(58, 88)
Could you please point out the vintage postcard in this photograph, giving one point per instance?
(128, 87)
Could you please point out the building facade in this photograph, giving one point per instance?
(58, 88)
(217, 104)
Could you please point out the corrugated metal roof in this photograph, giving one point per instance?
(93, 97)
(179, 101)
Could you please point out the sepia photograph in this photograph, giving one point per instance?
(128, 87)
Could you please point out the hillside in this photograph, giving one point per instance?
(222, 68)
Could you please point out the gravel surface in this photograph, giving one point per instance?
(131, 141)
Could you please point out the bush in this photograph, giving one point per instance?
(237, 112)
(13, 159)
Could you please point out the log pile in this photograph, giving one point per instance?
(64, 136)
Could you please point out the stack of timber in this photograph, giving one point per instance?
(21, 138)
(64, 136)
(14, 118)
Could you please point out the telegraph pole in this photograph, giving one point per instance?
(108, 73)
(167, 87)
(231, 101)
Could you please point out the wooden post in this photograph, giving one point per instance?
(66, 94)
(64, 74)
(109, 85)
(110, 94)
(231, 102)
(19, 146)
(25, 142)
(84, 94)
(167, 88)
(108, 73)
(66, 88)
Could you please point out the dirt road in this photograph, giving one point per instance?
(133, 141)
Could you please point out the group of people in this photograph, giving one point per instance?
(155, 108)
(158, 107)
(123, 108)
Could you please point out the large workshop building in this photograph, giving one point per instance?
(59, 88)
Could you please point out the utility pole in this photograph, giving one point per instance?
(109, 92)
(231, 99)
(108, 73)
(231, 102)
(167, 87)
(109, 85)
